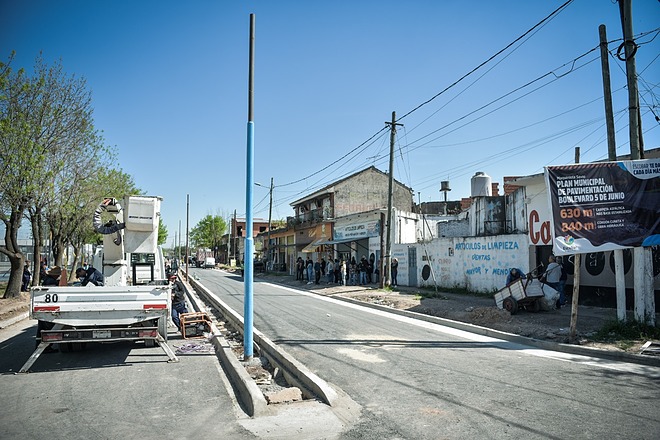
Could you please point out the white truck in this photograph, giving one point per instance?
(204, 258)
(135, 301)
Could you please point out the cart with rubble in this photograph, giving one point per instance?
(524, 294)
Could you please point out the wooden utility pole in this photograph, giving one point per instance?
(270, 213)
(387, 261)
(631, 72)
(643, 270)
(611, 155)
(187, 232)
(577, 264)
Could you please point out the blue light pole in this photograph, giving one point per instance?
(249, 185)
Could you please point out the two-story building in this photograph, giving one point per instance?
(347, 218)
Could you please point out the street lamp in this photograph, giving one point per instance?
(270, 213)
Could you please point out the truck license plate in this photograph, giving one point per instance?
(101, 334)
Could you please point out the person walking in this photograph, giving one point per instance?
(395, 271)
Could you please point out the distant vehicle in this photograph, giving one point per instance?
(201, 257)
(209, 262)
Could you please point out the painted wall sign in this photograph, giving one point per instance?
(539, 232)
(358, 230)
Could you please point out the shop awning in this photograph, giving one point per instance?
(342, 240)
(313, 245)
(320, 242)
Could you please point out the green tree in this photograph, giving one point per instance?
(162, 231)
(49, 155)
(207, 233)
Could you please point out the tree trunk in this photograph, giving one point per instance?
(58, 250)
(13, 251)
(74, 263)
(37, 232)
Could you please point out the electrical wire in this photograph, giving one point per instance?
(336, 161)
(548, 18)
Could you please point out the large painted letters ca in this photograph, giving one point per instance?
(541, 234)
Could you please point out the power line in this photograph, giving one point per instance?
(549, 17)
(555, 12)
(336, 161)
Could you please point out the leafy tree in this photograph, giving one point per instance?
(208, 232)
(26, 174)
(162, 231)
(49, 149)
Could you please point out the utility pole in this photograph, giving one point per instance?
(630, 47)
(234, 243)
(643, 263)
(270, 216)
(577, 263)
(248, 307)
(611, 155)
(187, 232)
(387, 279)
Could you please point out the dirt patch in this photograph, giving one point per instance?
(553, 325)
(12, 307)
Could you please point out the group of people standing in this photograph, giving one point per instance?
(337, 271)
(340, 271)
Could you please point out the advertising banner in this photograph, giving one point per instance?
(604, 206)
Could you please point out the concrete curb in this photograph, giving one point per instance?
(295, 372)
(7, 322)
(249, 394)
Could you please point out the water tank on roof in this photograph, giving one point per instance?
(481, 185)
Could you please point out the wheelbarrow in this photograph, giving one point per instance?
(515, 296)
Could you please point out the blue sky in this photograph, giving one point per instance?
(169, 85)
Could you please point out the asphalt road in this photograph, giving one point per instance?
(113, 391)
(416, 380)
